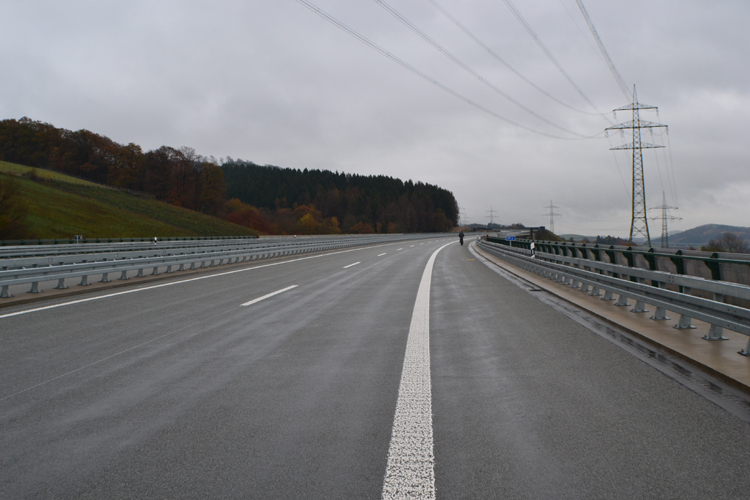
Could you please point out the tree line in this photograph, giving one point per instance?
(266, 198)
(177, 176)
(358, 203)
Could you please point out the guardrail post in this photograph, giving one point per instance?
(155, 272)
(105, 278)
(61, 284)
(746, 350)
(640, 307)
(140, 273)
(84, 281)
(608, 295)
(622, 300)
(124, 275)
(715, 332)
(596, 291)
(684, 323)
(4, 293)
(661, 313)
(713, 264)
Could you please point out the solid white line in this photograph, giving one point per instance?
(381, 254)
(411, 462)
(269, 295)
(182, 281)
(350, 265)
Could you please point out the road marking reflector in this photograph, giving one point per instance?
(410, 472)
(269, 295)
(350, 265)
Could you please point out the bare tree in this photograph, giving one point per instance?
(728, 242)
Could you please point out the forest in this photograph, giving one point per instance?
(269, 199)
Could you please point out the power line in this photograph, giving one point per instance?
(471, 35)
(549, 55)
(618, 78)
(419, 73)
(466, 68)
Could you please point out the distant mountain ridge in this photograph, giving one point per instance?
(702, 234)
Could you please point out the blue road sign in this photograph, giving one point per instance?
(510, 238)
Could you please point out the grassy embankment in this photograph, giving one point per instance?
(60, 206)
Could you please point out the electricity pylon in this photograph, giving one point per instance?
(491, 212)
(664, 218)
(639, 221)
(551, 214)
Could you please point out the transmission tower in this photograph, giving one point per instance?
(551, 215)
(639, 221)
(664, 218)
(492, 213)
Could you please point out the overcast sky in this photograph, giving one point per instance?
(274, 83)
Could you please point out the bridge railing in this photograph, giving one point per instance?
(644, 287)
(60, 268)
(709, 265)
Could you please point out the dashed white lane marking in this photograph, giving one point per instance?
(268, 295)
(411, 463)
(411, 246)
(350, 265)
(171, 283)
(381, 254)
(399, 249)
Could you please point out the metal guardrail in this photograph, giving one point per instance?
(691, 262)
(78, 248)
(643, 286)
(60, 268)
(71, 241)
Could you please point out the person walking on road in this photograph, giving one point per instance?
(461, 237)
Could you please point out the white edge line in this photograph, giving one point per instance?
(350, 265)
(80, 301)
(268, 295)
(410, 472)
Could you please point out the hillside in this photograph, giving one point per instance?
(60, 206)
(700, 235)
(265, 198)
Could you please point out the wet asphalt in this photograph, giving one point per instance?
(180, 392)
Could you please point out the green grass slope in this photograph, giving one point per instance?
(60, 206)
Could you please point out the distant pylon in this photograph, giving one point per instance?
(551, 215)
(639, 221)
(491, 212)
(664, 218)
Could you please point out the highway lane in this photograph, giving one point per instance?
(528, 405)
(181, 392)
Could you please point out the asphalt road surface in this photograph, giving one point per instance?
(178, 390)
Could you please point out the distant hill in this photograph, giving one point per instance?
(700, 235)
(60, 206)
